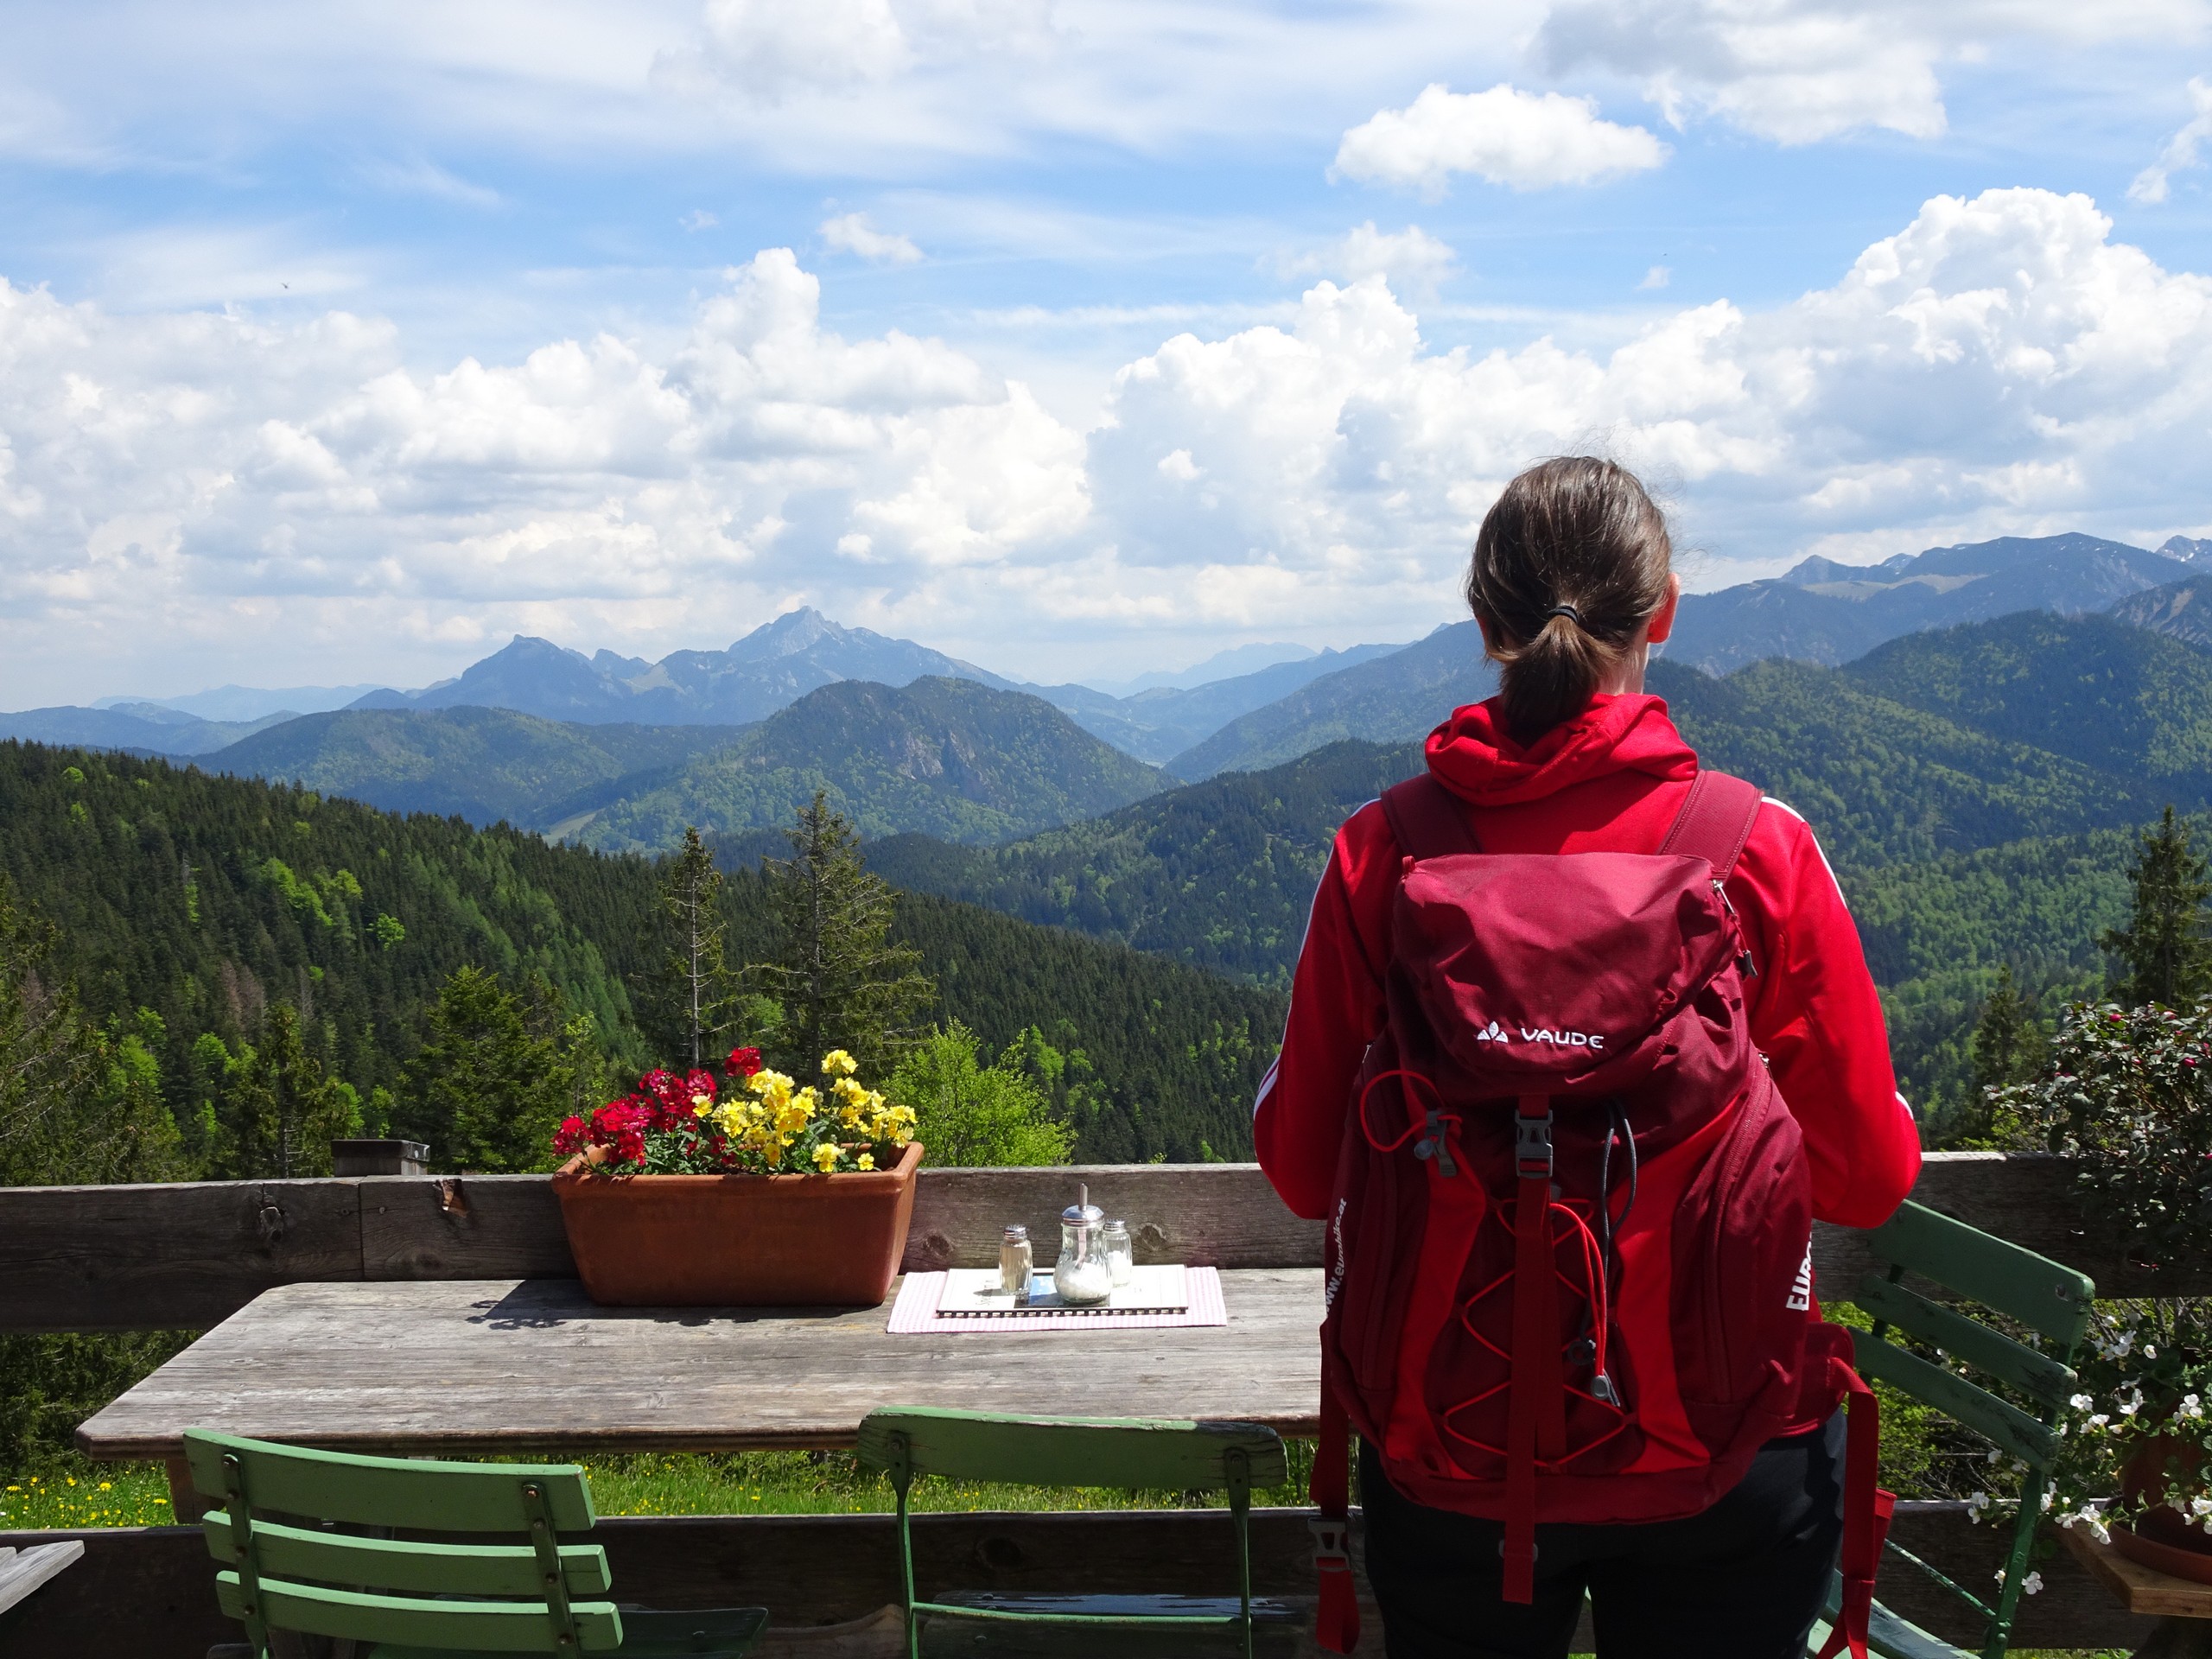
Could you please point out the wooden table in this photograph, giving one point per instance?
(2182, 1606)
(475, 1366)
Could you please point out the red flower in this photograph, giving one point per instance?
(742, 1062)
(568, 1138)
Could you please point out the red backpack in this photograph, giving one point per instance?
(1566, 1086)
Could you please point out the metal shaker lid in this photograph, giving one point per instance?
(1083, 1212)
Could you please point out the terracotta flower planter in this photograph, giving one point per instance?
(2161, 1538)
(756, 1241)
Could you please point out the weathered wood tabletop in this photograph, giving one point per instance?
(459, 1366)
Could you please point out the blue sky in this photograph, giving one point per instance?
(341, 343)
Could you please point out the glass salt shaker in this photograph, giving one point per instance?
(1121, 1258)
(1016, 1262)
(1082, 1276)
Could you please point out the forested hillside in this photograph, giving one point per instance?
(2126, 700)
(945, 757)
(1387, 700)
(214, 902)
(484, 764)
(1219, 874)
(1883, 781)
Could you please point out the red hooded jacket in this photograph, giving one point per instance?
(1612, 779)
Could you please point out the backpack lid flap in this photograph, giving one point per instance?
(1542, 970)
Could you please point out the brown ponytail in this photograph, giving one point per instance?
(1570, 563)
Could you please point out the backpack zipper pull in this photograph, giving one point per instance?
(1744, 966)
(1432, 1144)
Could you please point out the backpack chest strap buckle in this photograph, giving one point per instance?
(1532, 1141)
(1332, 1541)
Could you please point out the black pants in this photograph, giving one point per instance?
(1745, 1578)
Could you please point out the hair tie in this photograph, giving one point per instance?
(1566, 610)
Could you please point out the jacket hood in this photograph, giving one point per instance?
(1471, 755)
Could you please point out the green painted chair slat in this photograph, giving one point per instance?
(1032, 1616)
(407, 1568)
(2047, 1380)
(2043, 1294)
(646, 1635)
(908, 1441)
(1020, 1450)
(391, 1491)
(425, 1598)
(466, 1626)
(2012, 1430)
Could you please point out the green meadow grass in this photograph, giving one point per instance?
(76, 1492)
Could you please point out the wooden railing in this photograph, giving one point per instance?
(186, 1255)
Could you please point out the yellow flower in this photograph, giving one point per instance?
(702, 1104)
(865, 1160)
(825, 1157)
(837, 1063)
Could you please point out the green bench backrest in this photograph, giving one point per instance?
(2049, 1298)
(1128, 1452)
(299, 1574)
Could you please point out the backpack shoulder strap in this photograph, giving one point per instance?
(1715, 821)
(1428, 820)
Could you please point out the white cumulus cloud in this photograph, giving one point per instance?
(1797, 70)
(2180, 152)
(174, 483)
(855, 235)
(1998, 364)
(169, 478)
(1414, 261)
(774, 49)
(1527, 140)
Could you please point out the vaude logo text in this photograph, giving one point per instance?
(1495, 1033)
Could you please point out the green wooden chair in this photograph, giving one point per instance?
(424, 1599)
(1123, 1452)
(2049, 1299)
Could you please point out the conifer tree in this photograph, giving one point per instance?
(839, 982)
(694, 1000)
(77, 1102)
(486, 1090)
(2167, 957)
(276, 1109)
(2008, 1044)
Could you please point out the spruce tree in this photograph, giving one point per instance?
(839, 982)
(486, 1092)
(276, 1110)
(77, 1102)
(2163, 949)
(694, 1000)
(2008, 1041)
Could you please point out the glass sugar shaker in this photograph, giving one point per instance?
(1082, 1276)
(1121, 1258)
(1016, 1262)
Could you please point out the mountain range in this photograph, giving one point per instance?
(770, 668)
(1823, 611)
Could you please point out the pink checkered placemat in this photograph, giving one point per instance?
(916, 1311)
